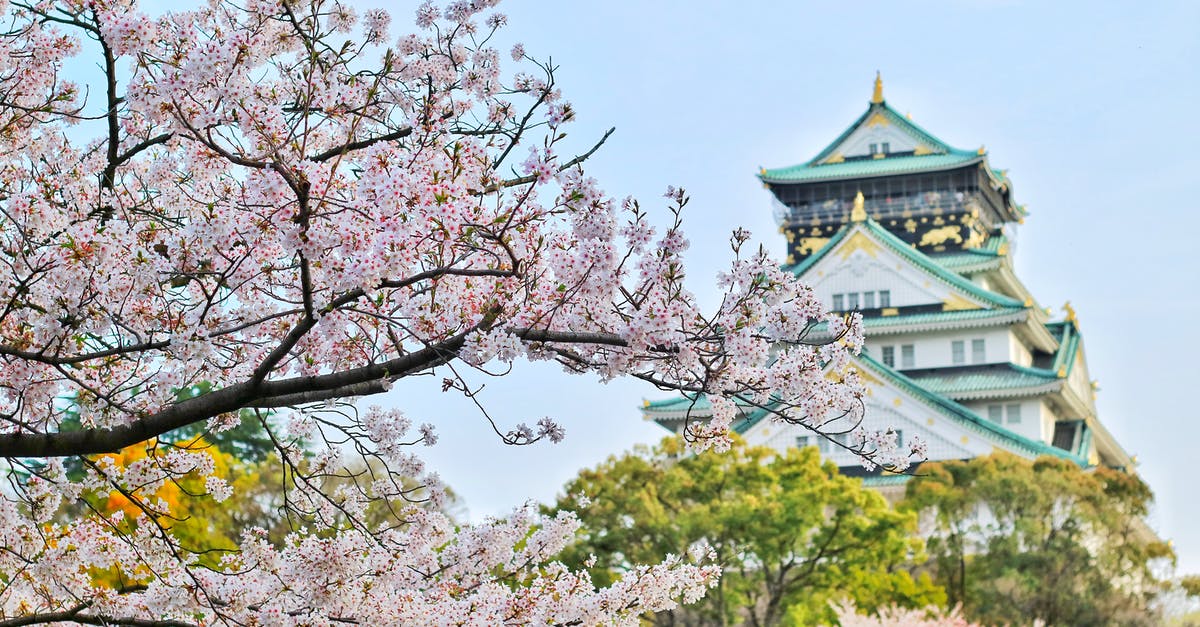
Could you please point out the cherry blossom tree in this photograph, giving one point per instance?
(278, 207)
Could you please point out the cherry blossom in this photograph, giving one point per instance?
(284, 208)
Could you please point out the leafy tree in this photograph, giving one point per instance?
(281, 207)
(1014, 540)
(790, 533)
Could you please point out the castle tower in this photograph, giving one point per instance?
(916, 235)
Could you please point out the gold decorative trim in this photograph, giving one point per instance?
(868, 377)
(954, 302)
(858, 213)
(834, 158)
(889, 311)
(941, 235)
(1070, 312)
(810, 245)
(877, 93)
(879, 119)
(857, 242)
(922, 150)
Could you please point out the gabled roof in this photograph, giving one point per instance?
(929, 153)
(965, 416)
(948, 408)
(881, 235)
(677, 408)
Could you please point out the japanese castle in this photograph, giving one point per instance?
(915, 234)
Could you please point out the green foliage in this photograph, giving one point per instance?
(1015, 540)
(791, 534)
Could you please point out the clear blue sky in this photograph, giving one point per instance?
(1091, 107)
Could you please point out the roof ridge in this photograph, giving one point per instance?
(962, 411)
(906, 125)
(926, 262)
(919, 258)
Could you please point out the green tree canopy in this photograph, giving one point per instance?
(790, 533)
(1015, 540)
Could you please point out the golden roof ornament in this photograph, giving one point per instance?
(877, 96)
(859, 212)
(1070, 311)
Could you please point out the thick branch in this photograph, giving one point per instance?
(90, 619)
(359, 145)
(232, 398)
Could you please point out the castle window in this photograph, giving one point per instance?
(885, 298)
(899, 439)
(838, 302)
(885, 147)
(1012, 414)
(852, 300)
(908, 356)
(996, 413)
(958, 352)
(889, 356)
(978, 352)
(802, 441)
(868, 300)
(874, 148)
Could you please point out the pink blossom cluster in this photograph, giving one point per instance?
(296, 222)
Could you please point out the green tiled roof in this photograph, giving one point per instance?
(1067, 334)
(682, 403)
(999, 377)
(917, 257)
(942, 155)
(941, 317)
(915, 388)
(974, 259)
(880, 481)
(946, 407)
(964, 415)
(932, 320)
(861, 168)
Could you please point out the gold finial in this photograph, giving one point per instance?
(859, 212)
(1070, 311)
(982, 150)
(908, 116)
(877, 96)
